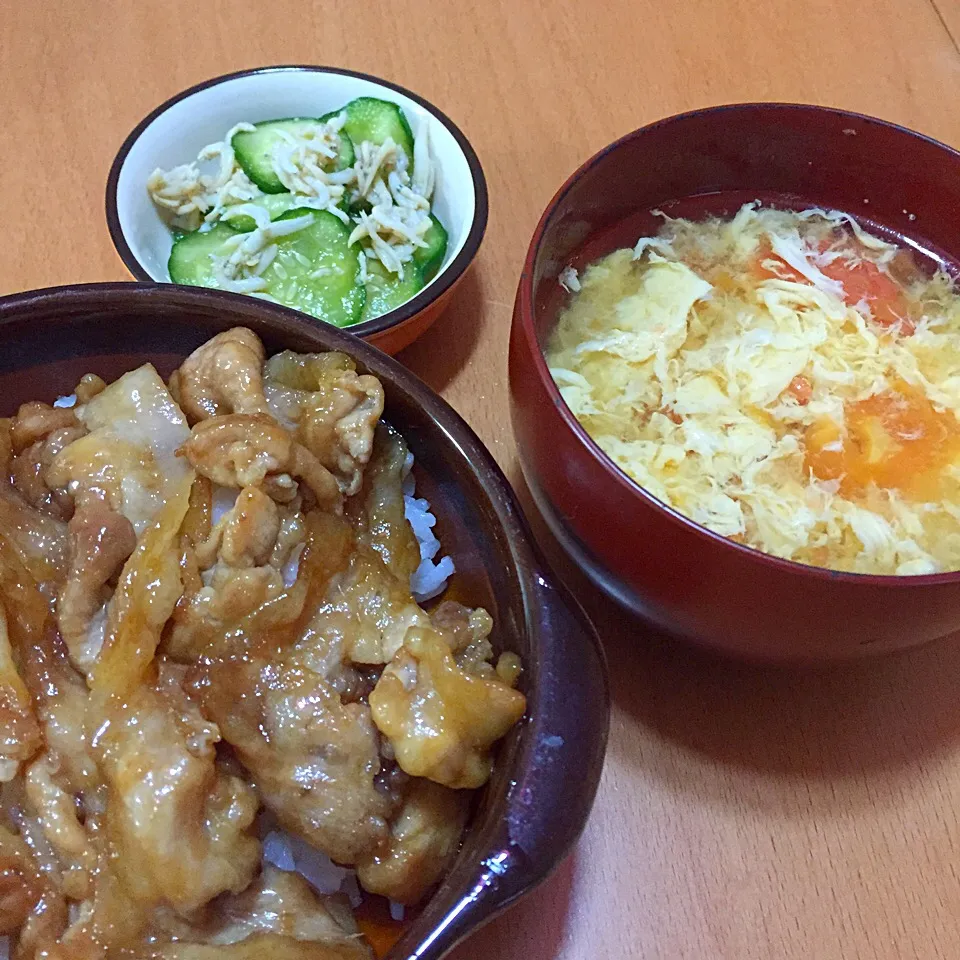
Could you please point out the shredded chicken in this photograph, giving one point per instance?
(246, 535)
(100, 542)
(56, 809)
(373, 608)
(380, 506)
(59, 694)
(440, 720)
(313, 757)
(182, 828)
(282, 904)
(19, 731)
(21, 885)
(38, 540)
(38, 433)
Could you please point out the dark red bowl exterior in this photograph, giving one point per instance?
(548, 767)
(657, 563)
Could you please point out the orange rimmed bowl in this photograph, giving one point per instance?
(174, 133)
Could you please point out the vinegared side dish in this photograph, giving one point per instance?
(331, 216)
(223, 706)
(785, 379)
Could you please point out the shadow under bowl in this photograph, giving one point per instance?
(654, 561)
(547, 769)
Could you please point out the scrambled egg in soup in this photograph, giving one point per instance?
(785, 379)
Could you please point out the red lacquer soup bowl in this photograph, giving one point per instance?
(657, 563)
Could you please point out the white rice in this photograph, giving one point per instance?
(290, 853)
(429, 579)
(223, 502)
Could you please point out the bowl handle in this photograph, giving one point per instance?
(539, 817)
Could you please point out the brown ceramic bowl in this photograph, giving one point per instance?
(174, 133)
(547, 769)
(657, 563)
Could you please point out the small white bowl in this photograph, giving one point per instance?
(176, 131)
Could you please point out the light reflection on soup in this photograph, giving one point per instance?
(785, 379)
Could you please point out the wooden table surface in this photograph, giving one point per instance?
(744, 813)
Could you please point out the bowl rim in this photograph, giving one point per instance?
(444, 280)
(526, 310)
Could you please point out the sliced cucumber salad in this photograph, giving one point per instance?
(330, 215)
(430, 257)
(254, 150)
(386, 291)
(274, 203)
(376, 121)
(314, 269)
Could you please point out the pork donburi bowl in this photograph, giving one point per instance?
(227, 663)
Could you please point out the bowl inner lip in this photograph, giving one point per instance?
(620, 477)
(444, 280)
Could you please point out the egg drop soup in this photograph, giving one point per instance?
(787, 380)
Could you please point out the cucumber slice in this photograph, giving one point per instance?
(315, 269)
(337, 296)
(190, 257)
(274, 203)
(430, 257)
(386, 291)
(375, 120)
(254, 151)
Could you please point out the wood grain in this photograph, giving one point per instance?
(744, 813)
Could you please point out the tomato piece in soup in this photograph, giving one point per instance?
(768, 266)
(864, 281)
(895, 440)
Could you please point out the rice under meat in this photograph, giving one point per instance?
(429, 580)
